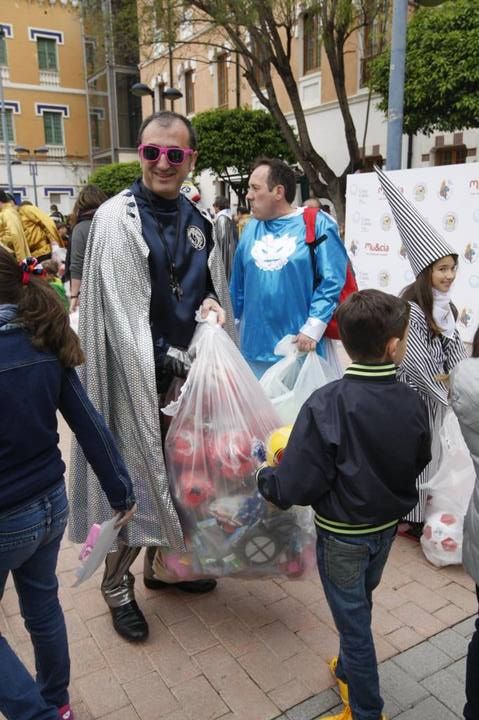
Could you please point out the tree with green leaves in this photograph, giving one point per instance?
(114, 178)
(230, 140)
(441, 90)
(260, 33)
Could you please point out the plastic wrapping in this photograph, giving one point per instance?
(229, 528)
(290, 381)
(450, 490)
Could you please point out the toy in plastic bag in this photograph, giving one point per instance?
(219, 416)
(290, 381)
(450, 490)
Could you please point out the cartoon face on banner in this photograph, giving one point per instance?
(445, 189)
(449, 221)
(419, 192)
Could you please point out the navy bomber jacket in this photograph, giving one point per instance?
(33, 386)
(354, 453)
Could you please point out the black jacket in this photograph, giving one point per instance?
(355, 451)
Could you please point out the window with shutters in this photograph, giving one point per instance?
(222, 70)
(3, 51)
(53, 128)
(47, 54)
(311, 42)
(9, 123)
(189, 93)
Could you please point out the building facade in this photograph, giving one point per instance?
(45, 101)
(210, 77)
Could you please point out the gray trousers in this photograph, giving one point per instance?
(118, 582)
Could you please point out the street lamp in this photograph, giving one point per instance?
(396, 80)
(140, 90)
(32, 164)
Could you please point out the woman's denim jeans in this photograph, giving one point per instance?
(30, 539)
(350, 568)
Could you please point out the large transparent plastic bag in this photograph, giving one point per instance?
(290, 381)
(229, 528)
(450, 489)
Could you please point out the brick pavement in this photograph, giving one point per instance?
(257, 650)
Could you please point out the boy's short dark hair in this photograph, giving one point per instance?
(367, 320)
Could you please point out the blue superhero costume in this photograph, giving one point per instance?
(275, 291)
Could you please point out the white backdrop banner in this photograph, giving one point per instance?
(448, 196)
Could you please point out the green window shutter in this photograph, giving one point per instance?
(47, 54)
(9, 120)
(3, 51)
(53, 127)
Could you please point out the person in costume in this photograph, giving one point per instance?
(273, 285)
(40, 231)
(151, 261)
(465, 403)
(434, 346)
(12, 235)
(226, 233)
(357, 487)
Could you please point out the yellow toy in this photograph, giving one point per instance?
(276, 444)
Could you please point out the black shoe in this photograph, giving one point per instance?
(189, 586)
(129, 621)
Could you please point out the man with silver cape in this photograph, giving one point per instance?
(151, 262)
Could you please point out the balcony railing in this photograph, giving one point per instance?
(49, 77)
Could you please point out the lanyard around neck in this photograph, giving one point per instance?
(174, 282)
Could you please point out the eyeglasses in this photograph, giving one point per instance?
(174, 155)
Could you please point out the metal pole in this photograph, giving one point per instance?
(5, 137)
(396, 85)
(33, 172)
(170, 53)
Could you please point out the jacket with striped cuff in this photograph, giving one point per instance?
(354, 453)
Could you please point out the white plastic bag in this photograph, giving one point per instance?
(290, 381)
(229, 528)
(450, 490)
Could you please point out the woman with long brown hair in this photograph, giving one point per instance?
(38, 354)
(88, 201)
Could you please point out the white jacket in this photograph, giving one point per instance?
(465, 402)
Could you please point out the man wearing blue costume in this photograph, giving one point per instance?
(275, 288)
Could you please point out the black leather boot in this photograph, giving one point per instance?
(129, 622)
(190, 586)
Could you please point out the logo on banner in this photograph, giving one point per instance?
(445, 189)
(386, 221)
(409, 276)
(474, 187)
(402, 252)
(362, 279)
(474, 281)
(475, 215)
(419, 192)
(466, 316)
(449, 221)
(471, 252)
(384, 278)
(353, 248)
(366, 224)
(376, 248)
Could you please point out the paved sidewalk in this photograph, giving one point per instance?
(257, 650)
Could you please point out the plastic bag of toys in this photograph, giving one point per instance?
(290, 381)
(218, 418)
(449, 490)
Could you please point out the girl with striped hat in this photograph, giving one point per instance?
(434, 347)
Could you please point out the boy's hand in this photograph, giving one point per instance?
(126, 516)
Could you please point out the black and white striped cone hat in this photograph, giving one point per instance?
(424, 245)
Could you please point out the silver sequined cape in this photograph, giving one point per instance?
(119, 374)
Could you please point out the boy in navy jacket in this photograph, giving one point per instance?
(354, 453)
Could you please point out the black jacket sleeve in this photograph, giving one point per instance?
(307, 469)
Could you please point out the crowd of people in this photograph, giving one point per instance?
(140, 265)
